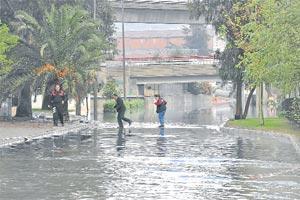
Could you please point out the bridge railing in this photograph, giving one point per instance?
(171, 59)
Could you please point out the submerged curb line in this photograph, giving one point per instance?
(294, 140)
(72, 128)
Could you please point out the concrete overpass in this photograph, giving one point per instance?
(165, 72)
(173, 73)
(154, 11)
(148, 77)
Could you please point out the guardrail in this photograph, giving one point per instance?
(171, 59)
(165, 58)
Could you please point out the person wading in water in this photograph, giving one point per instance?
(160, 109)
(57, 100)
(120, 107)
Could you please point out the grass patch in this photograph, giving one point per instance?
(40, 110)
(279, 125)
(133, 104)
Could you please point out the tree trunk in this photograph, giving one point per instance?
(87, 107)
(96, 82)
(239, 108)
(78, 107)
(261, 110)
(268, 89)
(231, 93)
(24, 108)
(248, 102)
(46, 97)
(95, 101)
(66, 108)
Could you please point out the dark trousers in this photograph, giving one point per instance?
(58, 114)
(121, 117)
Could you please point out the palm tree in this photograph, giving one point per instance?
(69, 43)
(7, 41)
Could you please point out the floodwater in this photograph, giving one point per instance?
(151, 163)
(189, 159)
(196, 110)
(185, 109)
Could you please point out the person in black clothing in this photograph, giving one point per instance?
(57, 100)
(120, 107)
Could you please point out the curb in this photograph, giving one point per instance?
(293, 139)
(47, 134)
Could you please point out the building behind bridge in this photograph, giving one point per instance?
(162, 43)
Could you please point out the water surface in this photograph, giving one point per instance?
(152, 163)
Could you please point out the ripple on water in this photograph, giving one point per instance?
(178, 163)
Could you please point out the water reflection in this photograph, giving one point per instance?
(213, 115)
(152, 163)
(185, 109)
(121, 141)
(239, 146)
(162, 131)
(161, 143)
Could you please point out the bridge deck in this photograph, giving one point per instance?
(166, 73)
(154, 11)
(173, 70)
(152, 4)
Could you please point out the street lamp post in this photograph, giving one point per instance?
(95, 85)
(123, 46)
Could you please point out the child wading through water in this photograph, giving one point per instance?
(120, 107)
(57, 103)
(160, 109)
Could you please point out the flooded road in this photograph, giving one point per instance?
(151, 163)
(189, 159)
(182, 112)
(196, 110)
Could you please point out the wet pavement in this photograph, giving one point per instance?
(178, 162)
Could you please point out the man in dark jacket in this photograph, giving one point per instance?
(57, 100)
(120, 107)
(161, 107)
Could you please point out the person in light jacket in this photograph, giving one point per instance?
(161, 107)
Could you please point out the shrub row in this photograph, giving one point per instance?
(132, 104)
(291, 109)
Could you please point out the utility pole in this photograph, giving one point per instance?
(123, 46)
(95, 89)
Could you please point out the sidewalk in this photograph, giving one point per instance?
(18, 131)
(22, 129)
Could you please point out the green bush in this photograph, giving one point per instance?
(108, 106)
(294, 113)
(132, 104)
(291, 109)
(200, 88)
(110, 88)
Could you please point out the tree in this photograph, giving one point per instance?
(55, 51)
(26, 56)
(104, 14)
(227, 19)
(196, 38)
(230, 72)
(7, 41)
(110, 88)
(70, 46)
(197, 88)
(271, 41)
(33, 68)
